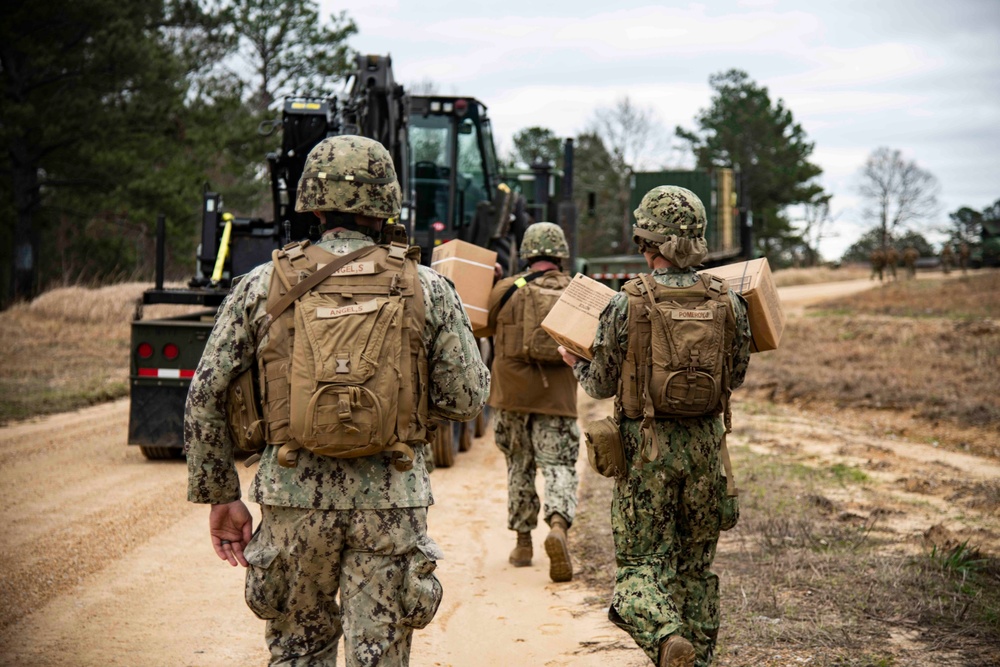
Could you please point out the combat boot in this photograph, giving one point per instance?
(522, 553)
(676, 652)
(557, 547)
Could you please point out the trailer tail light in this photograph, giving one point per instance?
(145, 350)
(171, 351)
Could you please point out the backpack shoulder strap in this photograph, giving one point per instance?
(314, 279)
(518, 284)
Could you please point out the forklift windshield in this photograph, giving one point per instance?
(448, 163)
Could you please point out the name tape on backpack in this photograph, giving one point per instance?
(690, 314)
(353, 309)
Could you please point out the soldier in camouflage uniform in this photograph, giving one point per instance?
(947, 258)
(357, 526)
(891, 260)
(878, 263)
(667, 514)
(910, 257)
(536, 418)
(963, 257)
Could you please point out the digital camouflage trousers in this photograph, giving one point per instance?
(531, 441)
(380, 561)
(666, 518)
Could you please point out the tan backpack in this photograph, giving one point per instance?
(679, 359)
(346, 369)
(531, 298)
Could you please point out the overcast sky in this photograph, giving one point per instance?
(921, 76)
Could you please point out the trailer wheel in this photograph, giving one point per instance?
(465, 441)
(482, 422)
(445, 446)
(162, 453)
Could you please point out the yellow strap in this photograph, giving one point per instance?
(220, 259)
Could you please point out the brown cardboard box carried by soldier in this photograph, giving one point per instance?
(753, 281)
(572, 322)
(534, 397)
(676, 492)
(470, 268)
(342, 548)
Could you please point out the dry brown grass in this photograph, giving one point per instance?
(923, 353)
(806, 583)
(820, 274)
(67, 349)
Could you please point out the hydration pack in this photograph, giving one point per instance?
(679, 359)
(345, 369)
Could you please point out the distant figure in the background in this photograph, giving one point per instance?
(891, 260)
(878, 263)
(947, 257)
(910, 256)
(963, 257)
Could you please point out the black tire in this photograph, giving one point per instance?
(161, 453)
(482, 422)
(465, 440)
(445, 446)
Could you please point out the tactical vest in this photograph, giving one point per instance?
(345, 370)
(519, 330)
(679, 357)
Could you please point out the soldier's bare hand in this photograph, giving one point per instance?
(568, 356)
(231, 527)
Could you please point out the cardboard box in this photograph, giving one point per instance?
(572, 322)
(753, 280)
(471, 269)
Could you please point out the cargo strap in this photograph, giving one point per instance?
(312, 280)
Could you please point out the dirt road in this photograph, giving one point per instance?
(105, 563)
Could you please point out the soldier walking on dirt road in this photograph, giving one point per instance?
(355, 526)
(891, 260)
(672, 498)
(534, 396)
(963, 257)
(910, 257)
(878, 263)
(947, 258)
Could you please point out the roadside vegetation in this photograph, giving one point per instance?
(921, 356)
(806, 581)
(67, 349)
(820, 274)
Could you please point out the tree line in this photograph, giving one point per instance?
(114, 112)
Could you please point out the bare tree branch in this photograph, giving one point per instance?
(897, 193)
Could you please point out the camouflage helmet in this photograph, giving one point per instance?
(544, 239)
(669, 210)
(671, 221)
(350, 174)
